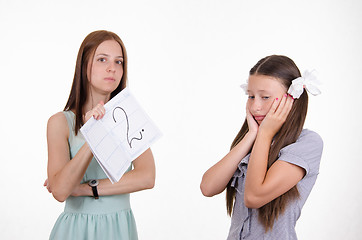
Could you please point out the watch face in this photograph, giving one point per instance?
(93, 183)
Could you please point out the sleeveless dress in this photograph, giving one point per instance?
(109, 217)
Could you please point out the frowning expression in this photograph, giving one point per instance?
(262, 90)
(105, 70)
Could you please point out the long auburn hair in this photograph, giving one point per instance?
(80, 87)
(285, 70)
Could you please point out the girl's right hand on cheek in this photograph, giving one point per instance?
(252, 124)
(97, 112)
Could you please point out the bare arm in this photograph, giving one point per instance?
(218, 176)
(215, 180)
(64, 175)
(262, 185)
(140, 178)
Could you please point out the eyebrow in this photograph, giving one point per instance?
(259, 90)
(103, 54)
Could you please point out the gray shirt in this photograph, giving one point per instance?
(306, 152)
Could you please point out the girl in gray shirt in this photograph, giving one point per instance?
(273, 162)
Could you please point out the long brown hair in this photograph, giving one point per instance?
(80, 88)
(285, 70)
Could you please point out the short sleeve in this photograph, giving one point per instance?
(306, 152)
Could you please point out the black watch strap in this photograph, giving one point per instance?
(95, 192)
(93, 184)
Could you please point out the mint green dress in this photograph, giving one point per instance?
(109, 217)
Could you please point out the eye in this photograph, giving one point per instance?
(120, 62)
(251, 97)
(101, 59)
(266, 97)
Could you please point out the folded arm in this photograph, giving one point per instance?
(64, 175)
(141, 177)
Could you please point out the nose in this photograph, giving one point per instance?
(111, 67)
(255, 106)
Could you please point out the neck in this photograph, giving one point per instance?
(93, 99)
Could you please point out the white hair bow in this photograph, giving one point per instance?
(307, 81)
(244, 86)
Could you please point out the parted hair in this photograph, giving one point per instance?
(80, 87)
(285, 70)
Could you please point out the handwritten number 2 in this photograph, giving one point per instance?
(134, 138)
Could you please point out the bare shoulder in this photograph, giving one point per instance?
(57, 124)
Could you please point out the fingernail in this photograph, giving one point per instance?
(285, 95)
(276, 99)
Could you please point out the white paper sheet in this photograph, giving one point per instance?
(124, 133)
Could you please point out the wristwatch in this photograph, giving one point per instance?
(93, 184)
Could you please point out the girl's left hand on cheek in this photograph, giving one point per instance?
(277, 115)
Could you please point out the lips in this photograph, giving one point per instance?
(109, 79)
(259, 118)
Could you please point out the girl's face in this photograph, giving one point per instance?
(262, 91)
(105, 70)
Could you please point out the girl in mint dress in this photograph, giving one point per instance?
(100, 210)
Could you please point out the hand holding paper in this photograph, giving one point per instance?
(124, 133)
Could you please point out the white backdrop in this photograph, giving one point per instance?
(186, 61)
